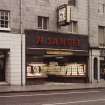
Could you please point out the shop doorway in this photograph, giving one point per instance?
(95, 69)
(2, 66)
(102, 69)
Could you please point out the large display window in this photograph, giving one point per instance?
(52, 66)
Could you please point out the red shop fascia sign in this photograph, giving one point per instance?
(43, 39)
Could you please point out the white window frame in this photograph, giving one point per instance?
(42, 23)
(71, 27)
(3, 14)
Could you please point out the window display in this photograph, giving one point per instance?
(38, 70)
(67, 69)
(76, 69)
(35, 70)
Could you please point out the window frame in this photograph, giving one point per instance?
(44, 23)
(72, 2)
(101, 8)
(101, 36)
(72, 28)
(3, 19)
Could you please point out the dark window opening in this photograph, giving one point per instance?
(43, 22)
(71, 2)
(95, 69)
(2, 65)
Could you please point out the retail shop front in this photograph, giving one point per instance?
(56, 57)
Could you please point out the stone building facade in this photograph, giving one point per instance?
(96, 25)
(11, 42)
(87, 19)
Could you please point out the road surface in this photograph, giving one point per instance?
(68, 97)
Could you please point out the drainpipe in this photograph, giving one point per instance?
(88, 18)
(90, 50)
(20, 8)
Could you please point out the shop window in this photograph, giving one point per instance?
(4, 20)
(43, 22)
(35, 67)
(53, 66)
(35, 70)
(73, 27)
(69, 69)
(101, 35)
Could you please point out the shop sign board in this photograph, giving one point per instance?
(63, 14)
(45, 39)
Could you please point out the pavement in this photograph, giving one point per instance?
(51, 86)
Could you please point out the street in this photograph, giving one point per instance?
(68, 97)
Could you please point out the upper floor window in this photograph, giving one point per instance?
(43, 0)
(4, 19)
(73, 27)
(101, 35)
(43, 22)
(72, 2)
(101, 7)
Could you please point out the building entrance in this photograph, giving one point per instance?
(2, 66)
(102, 69)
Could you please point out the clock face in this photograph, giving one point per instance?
(62, 15)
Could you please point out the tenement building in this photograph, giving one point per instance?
(52, 41)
